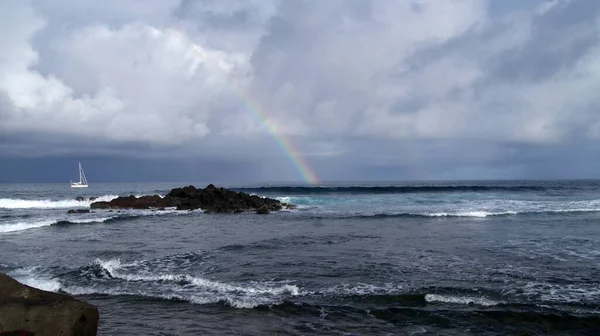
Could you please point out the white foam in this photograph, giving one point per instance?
(363, 289)
(12, 203)
(28, 277)
(113, 266)
(21, 226)
(50, 285)
(37, 223)
(477, 214)
(465, 300)
(205, 291)
(14, 227)
(569, 293)
(90, 220)
(284, 199)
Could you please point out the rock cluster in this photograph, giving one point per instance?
(82, 199)
(210, 199)
(78, 211)
(26, 310)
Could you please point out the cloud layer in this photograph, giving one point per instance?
(464, 86)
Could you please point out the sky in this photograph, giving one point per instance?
(268, 90)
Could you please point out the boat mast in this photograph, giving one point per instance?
(82, 178)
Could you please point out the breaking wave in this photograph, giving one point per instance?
(462, 300)
(11, 203)
(20, 226)
(468, 214)
(111, 277)
(251, 294)
(142, 278)
(105, 217)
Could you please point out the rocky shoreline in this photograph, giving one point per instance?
(210, 199)
(25, 310)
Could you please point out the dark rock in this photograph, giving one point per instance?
(263, 210)
(80, 199)
(78, 211)
(210, 199)
(17, 333)
(24, 308)
(92, 198)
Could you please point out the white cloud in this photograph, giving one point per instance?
(145, 84)
(177, 72)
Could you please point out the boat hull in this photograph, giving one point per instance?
(82, 180)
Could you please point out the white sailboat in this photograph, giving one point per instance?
(82, 180)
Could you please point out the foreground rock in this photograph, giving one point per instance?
(27, 309)
(209, 199)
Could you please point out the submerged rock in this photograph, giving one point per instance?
(78, 211)
(210, 199)
(27, 309)
(80, 198)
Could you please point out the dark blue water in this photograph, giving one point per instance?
(453, 258)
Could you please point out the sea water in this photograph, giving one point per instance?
(454, 258)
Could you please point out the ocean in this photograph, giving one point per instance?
(413, 258)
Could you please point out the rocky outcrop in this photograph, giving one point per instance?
(210, 199)
(83, 199)
(27, 309)
(78, 211)
(132, 202)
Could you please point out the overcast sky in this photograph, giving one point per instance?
(363, 89)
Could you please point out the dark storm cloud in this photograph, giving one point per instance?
(363, 89)
(559, 39)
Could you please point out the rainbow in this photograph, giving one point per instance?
(306, 173)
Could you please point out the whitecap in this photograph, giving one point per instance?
(12, 203)
(465, 300)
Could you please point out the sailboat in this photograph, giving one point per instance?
(82, 180)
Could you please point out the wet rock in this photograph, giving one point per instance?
(263, 210)
(78, 211)
(210, 199)
(92, 198)
(17, 333)
(27, 309)
(80, 198)
(289, 206)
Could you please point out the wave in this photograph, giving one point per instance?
(202, 291)
(11, 203)
(185, 287)
(65, 221)
(472, 214)
(458, 214)
(114, 278)
(388, 189)
(461, 300)
(14, 227)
